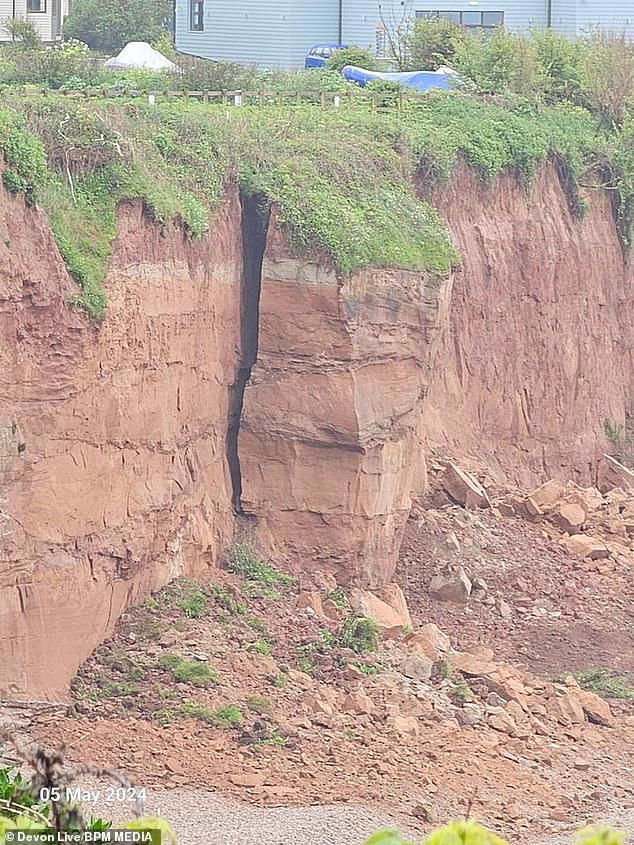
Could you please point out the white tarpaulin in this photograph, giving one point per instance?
(139, 54)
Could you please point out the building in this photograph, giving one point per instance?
(46, 15)
(278, 33)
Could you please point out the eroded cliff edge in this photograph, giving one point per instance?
(115, 468)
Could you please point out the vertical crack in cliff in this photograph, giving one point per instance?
(256, 214)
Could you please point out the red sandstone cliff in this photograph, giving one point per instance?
(540, 347)
(115, 468)
(113, 476)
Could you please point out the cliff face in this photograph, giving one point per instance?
(330, 441)
(540, 346)
(303, 399)
(113, 476)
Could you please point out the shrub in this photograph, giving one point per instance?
(608, 77)
(258, 704)
(357, 56)
(622, 440)
(430, 44)
(605, 683)
(23, 32)
(196, 74)
(358, 633)
(229, 716)
(499, 64)
(189, 671)
(108, 25)
(243, 561)
(560, 61)
(194, 605)
(24, 155)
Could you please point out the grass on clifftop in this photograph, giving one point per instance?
(342, 180)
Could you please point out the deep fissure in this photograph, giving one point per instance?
(256, 213)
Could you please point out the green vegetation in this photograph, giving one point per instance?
(109, 25)
(622, 439)
(371, 668)
(339, 598)
(189, 671)
(606, 684)
(305, 664)
(359, 634)
(261, 646)
(194, 606)
(223, 717)
(430, 44)
(461, 692)
(225, 599)
(357, 56)
(243, 561)
(351, 184)
(258, 704)
(470, 832)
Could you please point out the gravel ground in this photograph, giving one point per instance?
(200, 816)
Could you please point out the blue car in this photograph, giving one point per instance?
(320, 53)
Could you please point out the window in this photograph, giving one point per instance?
(197, 15)
(36, 6)
(485, 21)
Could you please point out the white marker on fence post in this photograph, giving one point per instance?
(337, 101)
(151, 99)
(238, 99)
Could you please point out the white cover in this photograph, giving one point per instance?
(139, 54)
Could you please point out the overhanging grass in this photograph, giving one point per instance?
(342, 179)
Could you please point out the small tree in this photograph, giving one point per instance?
(499, 64)
(429, 44)
(608, 77)
(23, 32)
(109, 25)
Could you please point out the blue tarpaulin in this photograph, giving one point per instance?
(421, 80)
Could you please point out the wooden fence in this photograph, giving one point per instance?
(326, 100)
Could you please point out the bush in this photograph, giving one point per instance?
(189, 671)
(23, 32)
(24, 155)
(469, 832)
(560, 63)
(358, 56)
(359, 634)
(430, 44)
(204, 75)
(64, 66)
(499, 64)
(608, 77)
(108, 25)
(243, 561)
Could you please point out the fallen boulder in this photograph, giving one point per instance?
(586, 546)
(385, 615)
(568, 516)
(429, 641)
(464, 489)
(451, 586)
(613, 474)
(548, 494)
